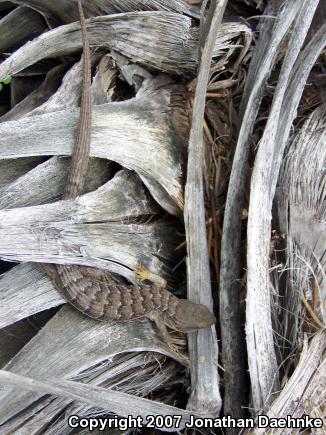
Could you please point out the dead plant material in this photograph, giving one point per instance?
(211, 110)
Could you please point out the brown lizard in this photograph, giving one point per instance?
(92, 290)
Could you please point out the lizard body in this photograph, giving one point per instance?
(92, 291)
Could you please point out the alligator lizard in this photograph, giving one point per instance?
(92, 290)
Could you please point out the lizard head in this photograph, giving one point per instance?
(190, 317)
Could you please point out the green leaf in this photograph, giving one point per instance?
(1, 86)
(7, 80)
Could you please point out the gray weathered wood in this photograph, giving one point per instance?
(107, 399)
(91, 233)
(25, 290)
(301, 213)
(13, 338)
(263, 365)
(38, 102)
(71, 344)
(104, 81)
(121, 198)
(19, 26)
(68, 94)
(45, 183)
(164, 41)
(119, 248)
(304, 393)
(11, 170)
(203, 350)
(140, 373)
(264, 57)
(148, 145)
(37, 97)
(64, 11)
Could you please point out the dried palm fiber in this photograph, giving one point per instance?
(24, 185)
(227, 37)
(11, 170)
(30, 183)
(24, 291)
(72, 346)
(291, 82)
(63, 11)
(304, 392)
(150, 145)
(136, 374)
(96, 234)
(19, 26)
(152, 230)
(301, 207)
(228, 32)
(133, 343)
(134, 336)
(203, 349)
(40, 97)
(163, 41)
(14, 337)
(42, 184)
(26, 190)
(33, 298)
(23, 192)
(263, 59)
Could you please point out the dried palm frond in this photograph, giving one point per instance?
(231, 274)
(155, 64)
(302, 216)
(149, 145)
(293, 77)
(102, 356)
(23, 186)
(163, 41)
(13, 169)
(64, 11)
(25, 290)
(92, 233)
(20, 25)
(204, 374)
(304, 393)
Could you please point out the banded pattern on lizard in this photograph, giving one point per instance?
(93, 292)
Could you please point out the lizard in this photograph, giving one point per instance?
(92, 290)
(94, 293)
